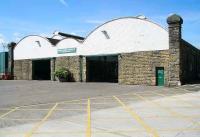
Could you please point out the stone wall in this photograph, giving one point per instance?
(72, 64)
(23, 69)
(190, 63)
(139, 68)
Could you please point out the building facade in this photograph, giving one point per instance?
(130, 50)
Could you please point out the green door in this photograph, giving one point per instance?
(160, 79)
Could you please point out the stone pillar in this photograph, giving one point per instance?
(53, 60)
(81, 68)
(83, 58)
(11, 47)
(175, 22)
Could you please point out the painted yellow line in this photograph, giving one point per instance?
(12, 110)
(101, 118)
(137, 118)
(30, 133)
(175, 114)
(108, 131)
(88, 129)
(71, 101)
(172, 112)
(59, 109)
(178, 98)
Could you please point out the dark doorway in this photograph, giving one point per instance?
(41, 69)
(102, 69)
(160, 77)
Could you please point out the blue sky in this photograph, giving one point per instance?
(19, 18)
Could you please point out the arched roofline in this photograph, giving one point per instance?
(128, 17)
(67, 39)
(32, 36)
(57, 35)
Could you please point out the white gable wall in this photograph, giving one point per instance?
(28, 48)
(126, 35)
(68, 43)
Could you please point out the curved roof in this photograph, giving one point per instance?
(125, 35)
(33, 47)
(59, 37)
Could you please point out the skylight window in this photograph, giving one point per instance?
(106, 34)
(38, 42)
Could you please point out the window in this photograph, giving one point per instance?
(38, 42)
(106, 34)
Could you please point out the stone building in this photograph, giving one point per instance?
(130, 50)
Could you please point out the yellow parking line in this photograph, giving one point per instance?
(12, 110)
(88, 129)
(104, 132)
(137, 118)
(58, 109)
(175, 114)
(101, 118)
(71, 101)
(30, 133)
(172, 112)
(178, 98)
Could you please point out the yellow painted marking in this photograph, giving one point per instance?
(108, 131)
(173, 113)
(178, 98)
(30, 133)
(12, 110)
(88, 130)
(101, 118)
(58, 109)
(72, 101)
(137, 118)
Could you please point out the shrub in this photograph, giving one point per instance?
(62, 73)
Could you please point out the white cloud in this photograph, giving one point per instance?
(63, 2)
(95, 21)
(16, 34)
(2, 39)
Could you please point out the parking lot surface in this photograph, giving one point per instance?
(52, 109)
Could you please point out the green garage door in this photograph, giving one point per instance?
(160, 77)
